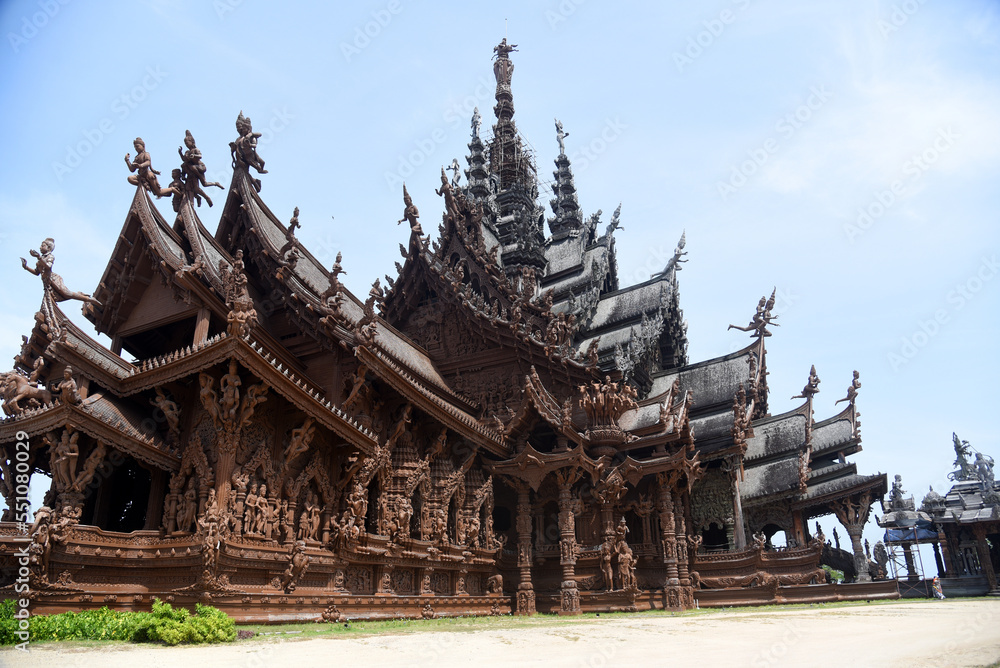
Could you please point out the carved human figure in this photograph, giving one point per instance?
(65, 457)
(300, 439)
(143, 174)
(229, 384)
(68, 392)
(450, 203)
(263, 511)
(194, 170)
(250, 512)
(477, 122)
(561, 137)
(298, 562)
(52, 281)
(852, 391)
(170, 512)
(503, 68)
(410, 213)
(607, 551)
(472, 531)
(188, 508)
(171, 412)
(454, 168)
(984, 470)
(244, 149)
(896, 494)
(626, 567)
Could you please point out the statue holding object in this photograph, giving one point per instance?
(146, 175)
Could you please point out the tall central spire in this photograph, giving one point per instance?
(508, 158)
(519, 219)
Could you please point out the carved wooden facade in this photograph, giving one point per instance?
(501, 429)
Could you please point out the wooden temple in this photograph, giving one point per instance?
(500, 428)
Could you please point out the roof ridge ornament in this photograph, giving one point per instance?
(244, 149)
(52, 282)
(192, 174)
(762, 318)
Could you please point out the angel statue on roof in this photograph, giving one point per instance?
(52, 281)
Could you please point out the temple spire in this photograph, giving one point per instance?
(519, 218)
(568, 219)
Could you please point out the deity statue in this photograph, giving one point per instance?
(53, 282)
(67, 388)
(194, 170)
(896, 494)
(146, 176)
(410, 213)
(812, 385)
(852, 391)
(244, 149)
(503, 68)
(561, 137)
(762, 319)
(477, 122)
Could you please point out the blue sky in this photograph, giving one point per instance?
(847, 153)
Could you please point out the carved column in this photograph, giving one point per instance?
(525, 590)
(938, 561)
(668, 536)
(157, 490)
(853, 514)
(985, 562)
(682, 547)
(733, 465)
(567, 547)
(201, 326)
(911, 569)
(946, 560)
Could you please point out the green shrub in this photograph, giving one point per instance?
(165, 624)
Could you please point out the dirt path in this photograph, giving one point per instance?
(940, 633)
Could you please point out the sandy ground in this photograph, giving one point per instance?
(938, 633)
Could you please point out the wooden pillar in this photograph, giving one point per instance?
(668, 524)
(985, 562)
(567, 547)
(154, 505)
(938, 561)
(680, 531)
(201, 326)
(525, 589)
(853, 514)
(736, 531)
(798, 528)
